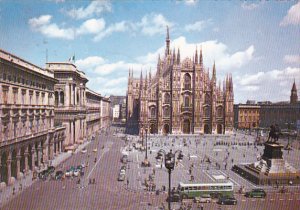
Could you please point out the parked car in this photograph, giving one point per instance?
(174, 198)
(205, 198)
(76, 172)
(123, 167)
(121, 177)
(84, 150)
(95, 150)
(43, 174)
(51, 169)
(256, 193)
(122, 171)
(227, 201)
(59, 175)
(70, 172)
(124, 159)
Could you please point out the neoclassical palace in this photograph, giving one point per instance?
(181, 98)
(42, 113)
(28, 136)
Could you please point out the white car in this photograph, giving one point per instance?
(76, 173)
(203, 199)
(122, 171)
(84, 150)
(69, 173)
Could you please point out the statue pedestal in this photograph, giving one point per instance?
(271, 169)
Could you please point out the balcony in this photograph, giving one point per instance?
(186, 109)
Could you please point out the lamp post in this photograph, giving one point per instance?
(289, 131)
(146, 157)
(170, 165)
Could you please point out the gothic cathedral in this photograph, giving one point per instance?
(181, 98)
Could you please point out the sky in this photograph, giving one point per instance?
(258, 42)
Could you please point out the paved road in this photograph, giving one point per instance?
(108, 193)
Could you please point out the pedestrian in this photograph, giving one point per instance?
(94, 181)
(90, 181)
(127, 183)
(20, 187)
(14, 189)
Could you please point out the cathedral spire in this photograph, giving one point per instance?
(146, 81)
(141, 80)
(200, 57)
(178, 56)
(174, 56)
(214, 71)
(167, 52)
(196, 56)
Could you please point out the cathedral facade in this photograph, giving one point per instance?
(181, 98)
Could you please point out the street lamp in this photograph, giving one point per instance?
(170, 165)
(146, 157)
(289, 131)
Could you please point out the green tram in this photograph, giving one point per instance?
(215, 190)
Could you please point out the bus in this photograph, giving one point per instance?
(215, 190)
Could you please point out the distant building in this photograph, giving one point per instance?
(116, 113)
(264, 114)
(246, 116)
(283, 113)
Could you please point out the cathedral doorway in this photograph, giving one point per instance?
(166, 129)
(186, 126)
(206, 129)
(152, 128)
(219, 129)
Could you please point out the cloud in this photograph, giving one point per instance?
(198, 26)
(149, 25)
(292, 17)
(212, 51)
(116, 27)
(292, 59)
(190, 2)
(91, 26)
(153, 24)
(94, 8)
(40, 21)
(89, 62)
(42, 24)
(249, 6)
(261, 85)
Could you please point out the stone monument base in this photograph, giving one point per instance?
(271, 169)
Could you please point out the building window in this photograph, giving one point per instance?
(219, 112)
(166, 112)
(152, 112)
(186, 101)
(15, 92)
(167, 98)
(206, 112)
(187, 82)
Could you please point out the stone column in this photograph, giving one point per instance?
(18, 158)
(0, 167)
(51, 148)
(70, 94)
(33, 157)
(45, 152)
(8, 163)
(26, 160)
(75, 95)
(39, 151)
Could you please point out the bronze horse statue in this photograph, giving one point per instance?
(274, 133)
